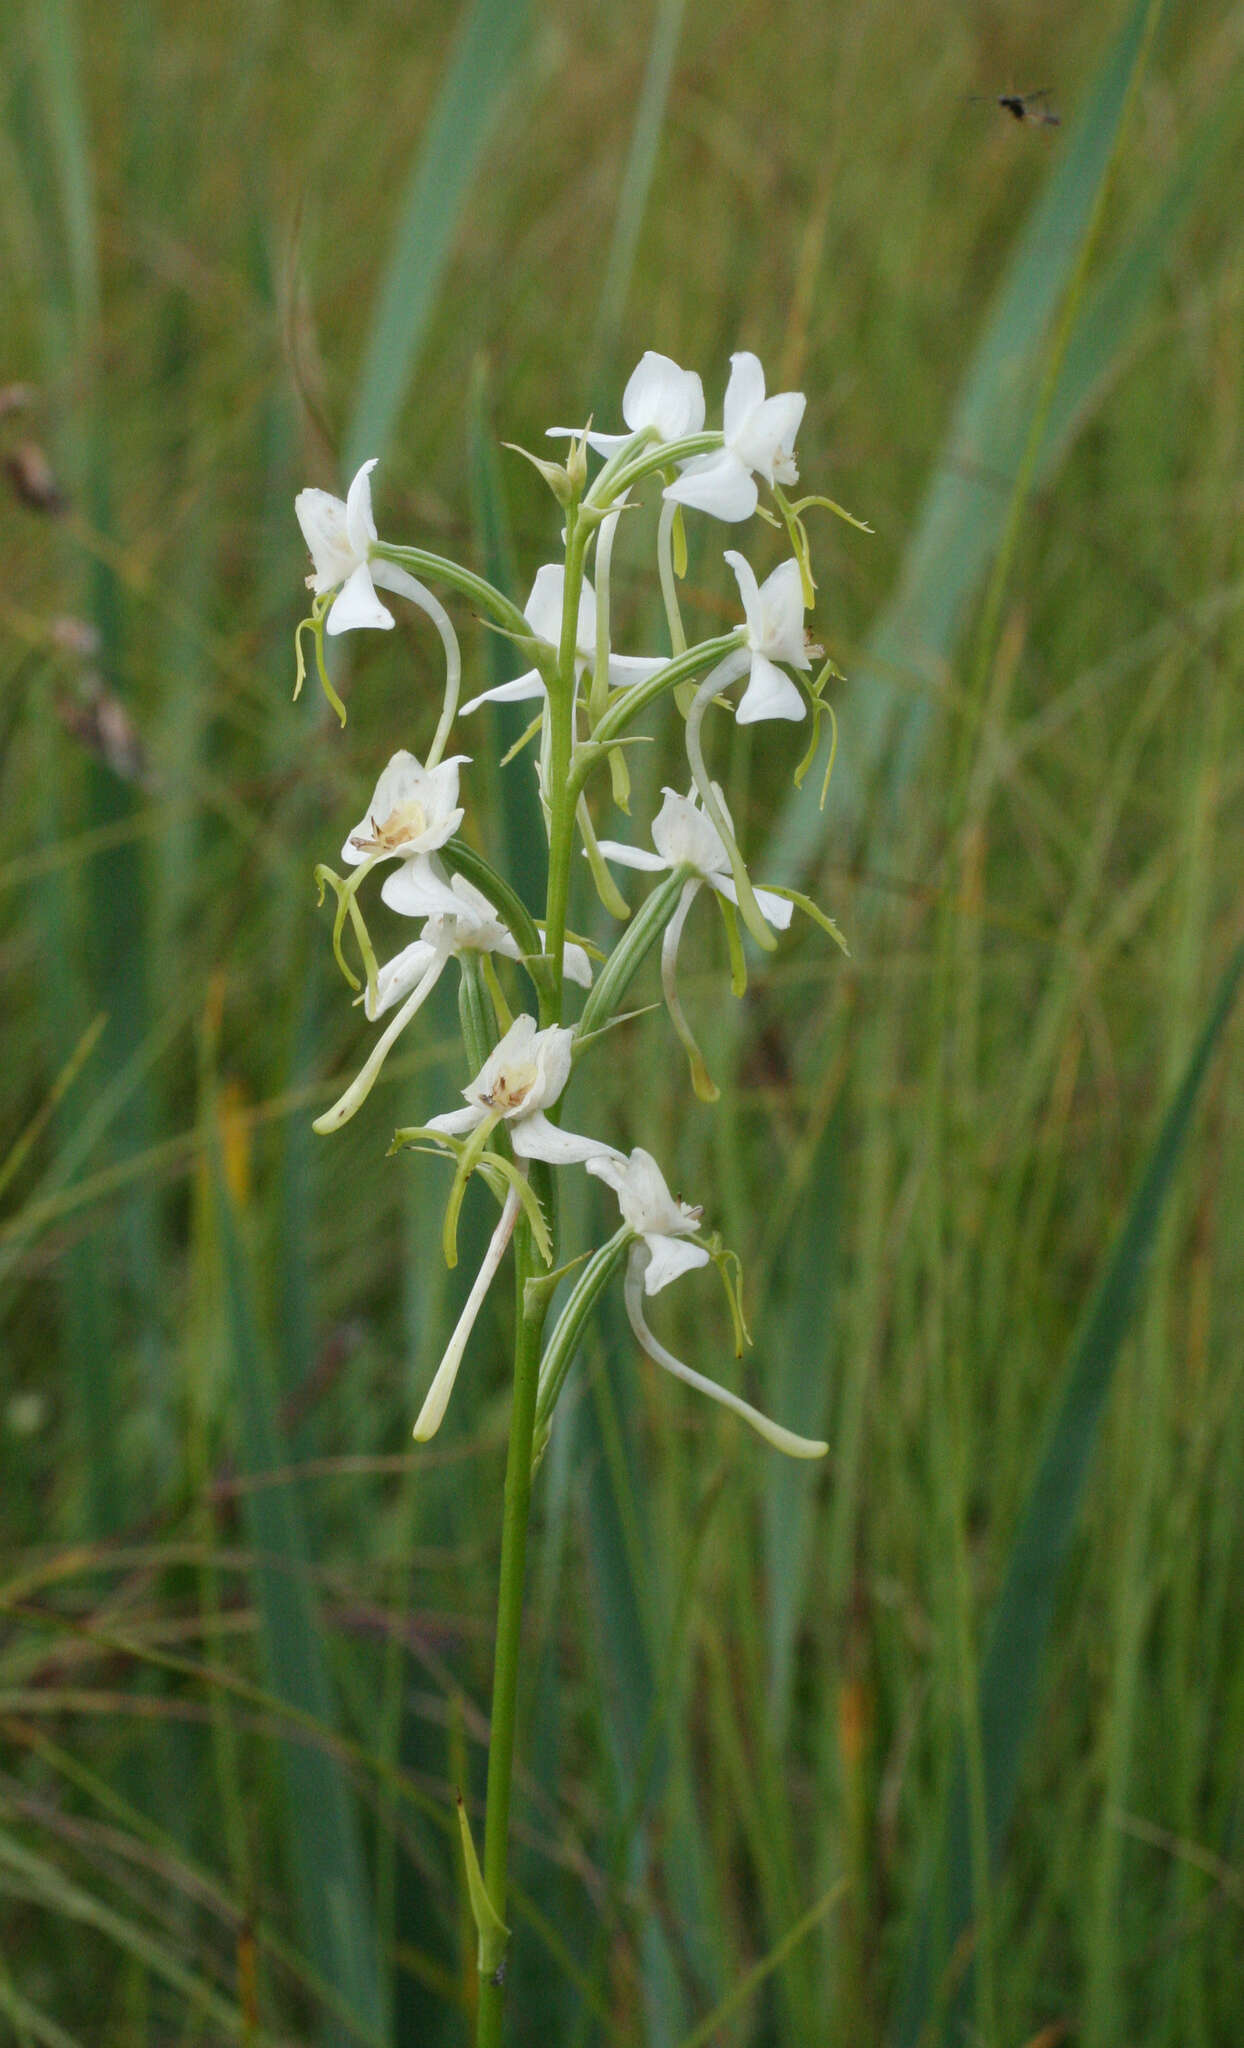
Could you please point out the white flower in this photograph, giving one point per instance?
(775, 632)
(660, 398)
(649, 1209)
(543, 612)
(460, 920)
(464, 922)
(521, 1078)
(661, 1252)
(340, 536)
(413, 811)
(758, 440)
(684, 836)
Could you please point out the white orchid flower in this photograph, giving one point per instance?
(662, 1225)
(413, 811)
(774, 614)
(758, 440)
(464, 921)
(661, 1252)
(543, 612)
(685, 836)
(521, 1078)
(659, 399)
(460, 917)
(340, 535)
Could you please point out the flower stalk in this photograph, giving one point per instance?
(591, 703)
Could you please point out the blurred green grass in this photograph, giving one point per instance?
(226, 1580)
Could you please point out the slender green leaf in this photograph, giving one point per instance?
(635, 185)
(1011, 1671)
(325, 1847)
(960, 521)
(482, 67)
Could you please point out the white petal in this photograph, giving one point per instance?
(416, 890)
(659, 394)
(782, 614)
(749, 591)
(576, 964)
(604, 444)
(534, 1137)
(398, 976)
(671, 1258)
(766, 441)
(436, 1400)
(357, 604)
(776, 910)
(631, 856)
(769, 694)
(647, 1206)
(543, 609)
(322, 518)
(718, 484)
(744, 393)
(626, 669)
(522, 689)
(360, 525)
(682, 834)
(457, 1123)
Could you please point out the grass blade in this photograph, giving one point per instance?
(512, 795)
(1011, 1670)
(325, 1847)
(636, 182)
(484, 60)
(959, 524)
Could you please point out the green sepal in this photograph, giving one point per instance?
(792, 514)
(814, 911)
(346, 888)
(730, 1273)
(316, 625)
(497, 1172)
(528, 734)
(820, 704)
(468, 1159)
(492, 1933)
(584, 1039)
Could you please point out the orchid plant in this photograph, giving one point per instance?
(591, 702)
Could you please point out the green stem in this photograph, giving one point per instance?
(509, 1620)
(440, 570)
(560, 796)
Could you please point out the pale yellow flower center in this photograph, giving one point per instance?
(407, 822)
(510, 1091)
